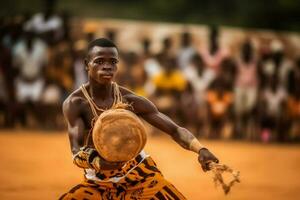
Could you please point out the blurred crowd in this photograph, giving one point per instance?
(251, 95)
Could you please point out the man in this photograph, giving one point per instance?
(103, 180)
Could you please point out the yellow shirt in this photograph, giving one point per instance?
(140, 91)
(173, 81)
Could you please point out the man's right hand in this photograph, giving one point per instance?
(96, 163)
(205, 157)
(88, 157)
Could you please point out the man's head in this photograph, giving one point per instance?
(186, 39)
(101, 60)
(247, 51)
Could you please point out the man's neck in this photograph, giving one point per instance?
(98, 90)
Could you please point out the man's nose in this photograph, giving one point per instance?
(107, 67)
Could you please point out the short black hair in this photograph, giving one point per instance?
(101, 42)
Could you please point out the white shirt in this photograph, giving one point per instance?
(199, 83)
(152, 67)
(184, 56)
(274, 100)
(30, 62)
(39, 25)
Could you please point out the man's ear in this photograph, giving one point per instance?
(86, 66)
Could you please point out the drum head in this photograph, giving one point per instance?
(119, 135)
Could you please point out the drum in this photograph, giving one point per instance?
(119, 135)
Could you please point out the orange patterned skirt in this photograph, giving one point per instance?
(144, 181)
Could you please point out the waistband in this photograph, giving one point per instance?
(115, 175)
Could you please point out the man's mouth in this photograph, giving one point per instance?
(107, 76)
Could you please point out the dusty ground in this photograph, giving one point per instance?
(38, 166)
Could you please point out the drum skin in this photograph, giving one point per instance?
(119, 135)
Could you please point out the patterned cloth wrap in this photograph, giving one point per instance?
(137, 179)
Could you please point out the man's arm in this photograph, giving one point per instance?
(75, 124)
(83, 157)
(148, 111)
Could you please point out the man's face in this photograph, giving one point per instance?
(102, 64)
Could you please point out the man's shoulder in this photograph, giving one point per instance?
(125, 91)
(74, 100)
(139, 103)
(128, 94)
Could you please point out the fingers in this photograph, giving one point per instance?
(203, 168)
(205, 159)
(214, 159)
(204, 165)
(201, 161)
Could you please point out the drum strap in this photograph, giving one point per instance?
(95, 109)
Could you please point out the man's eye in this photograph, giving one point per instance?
(114, 62)
(99, 61)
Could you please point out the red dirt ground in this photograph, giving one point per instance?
(38, 166)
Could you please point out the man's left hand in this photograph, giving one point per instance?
(205, 157)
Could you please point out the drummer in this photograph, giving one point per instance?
(138, 178)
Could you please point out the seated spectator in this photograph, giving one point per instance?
(188, 112)
(229, 72)
(170, 79)
(51, 99)
(169, 83)
(219, 103)
(152, 64)
(139, 78)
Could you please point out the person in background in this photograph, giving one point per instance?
(275, 63)
(47, 25)
(245, 91)
(293, 104)
(188, 110)
(214, 54)
(283, 65)
(219, 103)
(169, 83)
(200, 77)
(273, 104)
(29, 59)
(60, 67)
(138, 76)
(152, 63)
(80, 75)
(7, 96)
(186, 51)
(51, 99)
